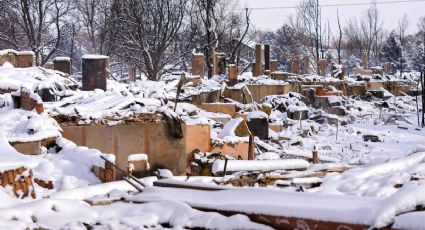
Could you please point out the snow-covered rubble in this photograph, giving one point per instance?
(35, 78)
(355, 180)
(23, 126)
(69, 214)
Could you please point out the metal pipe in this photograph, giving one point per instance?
(123, 172)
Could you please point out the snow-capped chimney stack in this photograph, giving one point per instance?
(198, 67)
(233, 75)
(48, 65)
(25, 59)
(322, 67)
(220, 69)
(214, 62)
(62, 64)
(315, 157)
(295, 66)
(258, 68)
(306, 64)
(273, 65)
(21, 59)
(132, 73)
(366, 61)
(95, 72)
(266, 57)
(388, 68)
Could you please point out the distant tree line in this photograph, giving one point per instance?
(361, 37)
(156, 35)
(152, 35)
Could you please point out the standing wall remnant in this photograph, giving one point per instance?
(27, 100)
(267, 57)
(152, 138)
(62, 64)
(365, 61)
(198, 67)
(259, 126)
(21, 59)
(233, 74)
(214, 62)
(306, 64)
(25, 59)
(258, 68)
(221, 63)
(48, 65)
(273, 65)
(295, 66)
(322, 67)
(132, 73)
(95, 72)
(389, 68)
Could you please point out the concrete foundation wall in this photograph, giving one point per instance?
(163, 150)
(227, 108)
(207, 97)
(232, 149)
(33, 147)
(258, 91)
(375, 85)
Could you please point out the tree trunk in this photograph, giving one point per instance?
(401, 54)
(208, 48)
(318, 34)
(423, 98)
(340, 39)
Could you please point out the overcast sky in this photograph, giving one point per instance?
(390, 14)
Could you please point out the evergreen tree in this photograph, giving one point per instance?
(418, 53)
(391, 49)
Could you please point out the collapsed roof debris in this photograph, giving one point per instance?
(318, 140)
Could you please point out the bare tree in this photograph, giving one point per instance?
(364, 36)
(214, 16)
(146, 31)
(403, 23)
(35, 24)
(236, 34)
(370, 27)
(325, 40)
(206, 11)
(95, 20)
(338, 49)
(287, 44)
(354, 38)
(309, 13)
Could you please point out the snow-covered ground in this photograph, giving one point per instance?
(376, 184)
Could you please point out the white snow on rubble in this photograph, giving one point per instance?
(381, 184)
(23, 126)
(33, 78)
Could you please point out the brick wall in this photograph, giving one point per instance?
(20, 59)
(106, 174)
(198, 66)
(28, 101)
(20, 180)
